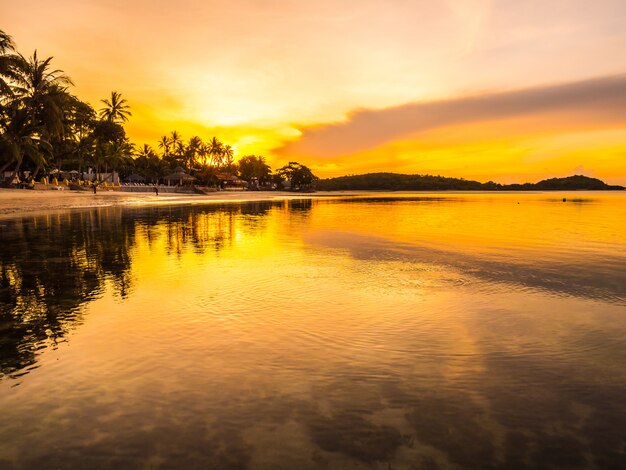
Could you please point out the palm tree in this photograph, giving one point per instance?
(115, 109)
(6, 43)
(164, 145)
(147, 163)
(34, 78)
(119, 154)
(215, 151)
(39, 95)
(204, 153)
(7, 47)
(75, 138)
(85, 148)
(175, 140)
(144, 152)
(194, 148)
(177, 149)
(41, 89)
(20, 138)
(228, 155)
(116, 153)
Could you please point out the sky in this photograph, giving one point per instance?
(498, 90)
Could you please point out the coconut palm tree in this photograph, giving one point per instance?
(175, 140)
(120, 154)
(34, 78)
(116, 109)
(7, 57)
(177, 149)
(115, 153)
(203, 153)
(39, 95)
(193, 150)
(6, 43)
(148, 163)
(215, 151)
(146, 152)
(85, 149)
(228, 157)
(20, 138)
(75, 139)
(164, 145)
(41, 89)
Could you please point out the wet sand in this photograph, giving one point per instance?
(16, 202)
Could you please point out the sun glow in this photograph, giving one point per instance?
(261, 77)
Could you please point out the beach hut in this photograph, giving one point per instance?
(136, 178)
(179, 177)
(230, 181)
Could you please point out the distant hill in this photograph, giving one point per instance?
(400, 182)
(576, 182)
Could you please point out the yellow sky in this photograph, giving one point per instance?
(289, 79)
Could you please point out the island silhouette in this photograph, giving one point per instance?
(402, 182)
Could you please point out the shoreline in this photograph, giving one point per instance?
(20, 202)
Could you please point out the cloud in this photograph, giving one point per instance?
(581, 170)
(600, 98)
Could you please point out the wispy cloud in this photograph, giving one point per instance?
(600, 98)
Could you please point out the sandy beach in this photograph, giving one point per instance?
(16, 202)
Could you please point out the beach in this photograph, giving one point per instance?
(16, 202)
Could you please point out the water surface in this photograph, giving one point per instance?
(411, 331)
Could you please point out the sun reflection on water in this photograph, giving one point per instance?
(456, 330)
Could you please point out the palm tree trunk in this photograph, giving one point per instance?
(4, 167)
(16, 170)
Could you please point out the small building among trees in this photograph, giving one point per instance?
(228, 181)
(179, 177)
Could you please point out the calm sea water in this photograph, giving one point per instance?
(413, 331)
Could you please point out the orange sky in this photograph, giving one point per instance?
(485, 89)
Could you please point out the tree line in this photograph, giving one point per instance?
(44, 127)
(400, 182)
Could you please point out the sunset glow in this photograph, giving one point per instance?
(483, 89)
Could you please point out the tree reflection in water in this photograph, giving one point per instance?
(51, 265)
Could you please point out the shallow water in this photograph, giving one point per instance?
(395, 331)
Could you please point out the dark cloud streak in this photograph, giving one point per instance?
(600, 97)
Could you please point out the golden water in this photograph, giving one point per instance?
(411, 331)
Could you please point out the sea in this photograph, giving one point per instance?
(373, 331)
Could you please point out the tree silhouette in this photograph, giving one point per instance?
(115, 109)
(299, 176)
